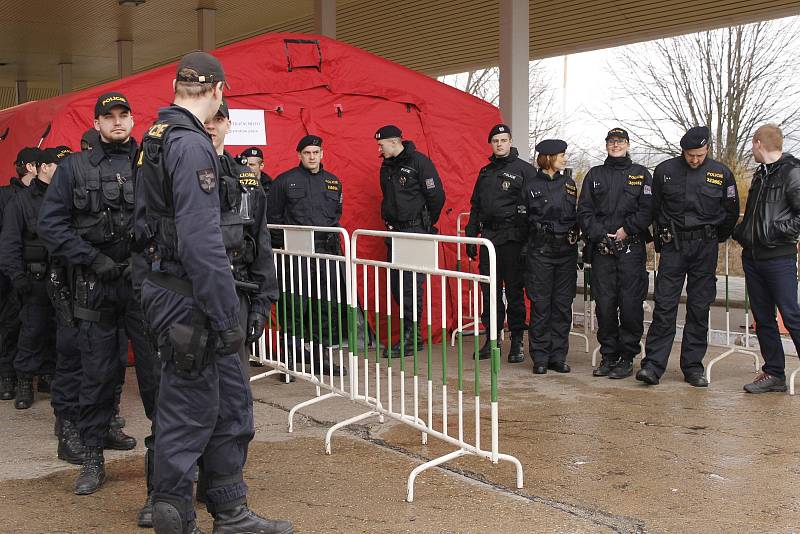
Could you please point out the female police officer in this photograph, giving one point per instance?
(551, 197)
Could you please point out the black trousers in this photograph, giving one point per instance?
(619, 287)
(65, 391)
(695, 263)
(36, 345)
(551, 284)
(510, 275)
(771, 284)
(9, 332)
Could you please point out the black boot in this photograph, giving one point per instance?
(118, 440)
(515, 353)
(70, 446)
(408, 344)
(242, 519)
(485, 351)
(623, 369)
(145, 519)
(24, 393)
(8, 388)
(45, 383)
(93, 472)
(607, 363)
(57, 427)
(168, 520)
(117, 422)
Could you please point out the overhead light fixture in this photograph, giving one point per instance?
(130, 2)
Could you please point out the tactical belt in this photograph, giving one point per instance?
(403, 225)
(705, 233)
(171, 282)
(105, 315)
(499, 225)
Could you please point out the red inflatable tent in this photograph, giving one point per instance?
(305, 84)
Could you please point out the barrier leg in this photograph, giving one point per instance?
(728, 353)
(791, 380)
(427, 465)
(342, 424)
(307, 403)
(595, 352)
(264, 375)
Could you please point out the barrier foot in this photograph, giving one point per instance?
(342, 424)
(427, 465)
(727, 353)
(517, 464)
(791, 380)
(585, 340)
(264, 375)
(457, 330)
(304, 404)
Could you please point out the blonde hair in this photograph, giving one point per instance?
(770, 136)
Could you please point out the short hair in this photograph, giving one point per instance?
(22, 170)
(191, 89)
(770, 136)
(546, 161)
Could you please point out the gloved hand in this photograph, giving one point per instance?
(255, 326)
(472, 251)
(22, 284)
(105, 268)
(230, 341)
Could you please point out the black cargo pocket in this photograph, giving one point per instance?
(111, 194)
(710, 198)
(127, 192)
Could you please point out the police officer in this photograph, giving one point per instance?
(89, 139)
(551, 273)
(310, 195)
(413, 197)
(695, 207)
(253, 157)
(496, 205)
(189, 296)
(23, 258)
(614, 213)
(25, 166)
(84, 219)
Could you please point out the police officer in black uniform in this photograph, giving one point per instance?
(614, 213)
(253, 157)
(413, 197)
(310, 195)
(23, 258)
(695, 207)
(85, 219)
(189, 297)
(551, 275)
(25, 166)
(496, 215)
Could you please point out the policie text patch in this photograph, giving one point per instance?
(207, 180)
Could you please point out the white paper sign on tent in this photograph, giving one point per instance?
(248, 128)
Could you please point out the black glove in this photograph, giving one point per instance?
(126, 272)
(255, 326)
(22, 285)
(105, 268)
(472, 251)
(230, 341)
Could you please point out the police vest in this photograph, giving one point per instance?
(102, 199)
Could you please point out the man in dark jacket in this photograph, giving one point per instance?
(413, 197)
(496, 215)
(768, 235)
(695, 207)
(614, 212)
(253, 157)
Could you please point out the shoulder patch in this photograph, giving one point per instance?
(207, 180)
(429, 183)
(648, 190)
(157, 130)
(731, 191)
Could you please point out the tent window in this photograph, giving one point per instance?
(303, 54)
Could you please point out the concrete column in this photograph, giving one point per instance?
(124, 58)
(22, 91)
(206, 29)
(64, 78)
(514, 74)
(325, 18)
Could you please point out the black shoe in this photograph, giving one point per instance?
(540, 369)
(57, 427)
(93, 472)
(167, 519)
(24, 393)
(242, 519)
(45, 383)
(408, 345)
(70, 446)
(485, 352)
(145, 518)
(8, 388)
(765, 383)
(623, 369)
(606, 365)
(515, 353)
(559, 367)
(648, 376)
(697, 380)
(118, 440)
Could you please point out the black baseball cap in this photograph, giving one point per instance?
(223, 110)
(387, 132)
(27, 155)
(107, 101)
(617, 132)
(207, 67)
(52, 155)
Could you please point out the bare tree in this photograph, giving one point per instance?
(731, 80)
(485, 84)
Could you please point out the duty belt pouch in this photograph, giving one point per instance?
(709, 233)
(189, 348)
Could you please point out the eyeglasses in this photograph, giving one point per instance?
(612, 142)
